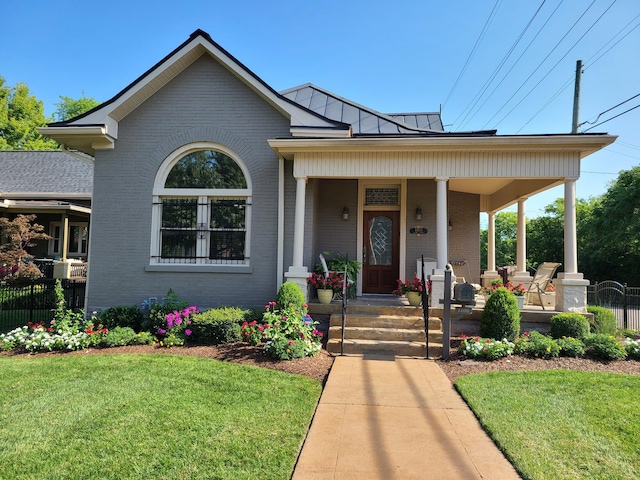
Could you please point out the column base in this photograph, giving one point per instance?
(488, 277)
(299, 275)
(571, 292)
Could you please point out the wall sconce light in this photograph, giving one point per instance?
(450, 225)
(418, 214)
(345, 213)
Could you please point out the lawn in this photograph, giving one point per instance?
(560, 424)
(149, 416)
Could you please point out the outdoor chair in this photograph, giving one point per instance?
(540, 281)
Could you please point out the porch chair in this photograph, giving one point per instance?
(540, 281)
(325, 269)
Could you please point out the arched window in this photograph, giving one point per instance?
(202, 202)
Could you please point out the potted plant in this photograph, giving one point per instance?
(412, 290)
(326, 286)
(519, 292)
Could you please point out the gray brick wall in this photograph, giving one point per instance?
(203, 103)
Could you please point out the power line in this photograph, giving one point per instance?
(475, 47)
(588, 64)
(612, 108)
(557, 63)
(609, 119)
(484, 88)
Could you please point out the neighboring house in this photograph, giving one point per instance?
(209, 182)
(56, 186)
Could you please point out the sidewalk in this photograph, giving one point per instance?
(396, 418)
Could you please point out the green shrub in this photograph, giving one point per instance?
(158, 312)
(121, 316)
(290, 296)
(571, 347)
(120, 336)
(569, 325)
(542, 346)
(501, 316)
(282, 348)
(216, 326)
(604, 347)
(604, 321)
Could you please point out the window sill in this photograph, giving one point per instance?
(194, 268)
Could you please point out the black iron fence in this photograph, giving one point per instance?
(35, 300)
(622, 300)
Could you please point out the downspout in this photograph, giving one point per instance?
(280, 248)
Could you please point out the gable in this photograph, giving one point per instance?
(98, 128)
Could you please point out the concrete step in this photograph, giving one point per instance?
(362, 347)
(352, 309)
(368, 333)
(385, 321)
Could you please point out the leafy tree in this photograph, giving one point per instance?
(506, 240)
(20, 114)
(20, 233)
(612, 250)
(70, 108)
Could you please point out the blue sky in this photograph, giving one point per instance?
(391, 56)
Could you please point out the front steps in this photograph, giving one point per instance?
(384, 330)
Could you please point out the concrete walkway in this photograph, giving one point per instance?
(396, 418)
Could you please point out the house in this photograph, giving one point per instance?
(209, 182)
(56, 186)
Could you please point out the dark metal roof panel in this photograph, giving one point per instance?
(363, 120)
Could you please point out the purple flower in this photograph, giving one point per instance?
(187, 332)
(161, 331)
(170, 317)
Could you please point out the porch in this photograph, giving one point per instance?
(386, 324)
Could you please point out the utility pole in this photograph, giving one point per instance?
(576, 98)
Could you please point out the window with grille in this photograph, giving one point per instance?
(201, 211)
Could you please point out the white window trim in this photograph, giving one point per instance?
(70, 253)
(159, 191)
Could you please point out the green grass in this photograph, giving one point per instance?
(149, 416)
(561, 424)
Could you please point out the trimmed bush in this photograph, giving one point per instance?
(541, 346)
(290, 297)
(570, 347)
(604, 347)
(501, 316)
(121, 336)
(121, 316)
(217, 326)
(604, 321)
(569, 325)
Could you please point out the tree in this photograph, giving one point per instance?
(612, 250)
(20, 115)
(506, 235)
(20, 233)
(70, 108)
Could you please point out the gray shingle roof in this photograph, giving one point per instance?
(363, 120)
(45, 172)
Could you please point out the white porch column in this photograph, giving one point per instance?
(491, 273)
(571, 287)
(442, 238)
(521, 275)
(298, 273)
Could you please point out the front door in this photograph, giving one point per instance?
(381, 252)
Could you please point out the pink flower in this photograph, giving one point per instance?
(170, 318)
(161, 331)
(187, 332)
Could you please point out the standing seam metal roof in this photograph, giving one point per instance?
(363, 120)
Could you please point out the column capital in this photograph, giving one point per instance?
(442, 179)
